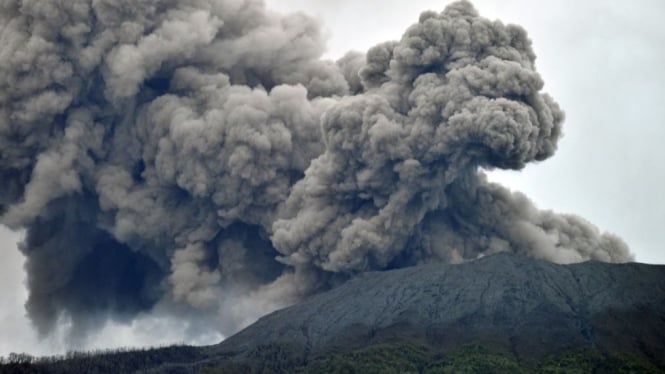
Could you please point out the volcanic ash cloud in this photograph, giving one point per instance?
(199, 159)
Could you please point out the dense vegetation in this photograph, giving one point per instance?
(397, 357)
(107, 361)
(415, 358)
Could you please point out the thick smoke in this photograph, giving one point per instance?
(198, 157)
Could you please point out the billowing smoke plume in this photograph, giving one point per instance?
(198, 157)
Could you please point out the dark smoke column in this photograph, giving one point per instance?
(199, 159)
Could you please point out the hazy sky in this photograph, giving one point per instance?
(601, 60)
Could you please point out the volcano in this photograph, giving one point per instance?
(524, 308)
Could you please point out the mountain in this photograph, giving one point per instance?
(508, 311)
(525, 307)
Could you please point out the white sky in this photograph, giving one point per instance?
(603, 61)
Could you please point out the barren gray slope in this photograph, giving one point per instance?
(533, 306)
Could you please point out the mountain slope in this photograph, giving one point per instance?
(526, 307)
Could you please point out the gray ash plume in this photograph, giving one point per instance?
(198, 156)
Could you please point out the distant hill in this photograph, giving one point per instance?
(502, 313)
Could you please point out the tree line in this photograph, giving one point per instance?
(123, 359)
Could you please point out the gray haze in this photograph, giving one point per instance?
(198, 160)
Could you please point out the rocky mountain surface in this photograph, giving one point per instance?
(532, 307)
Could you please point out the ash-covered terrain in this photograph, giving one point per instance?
(528, 308)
